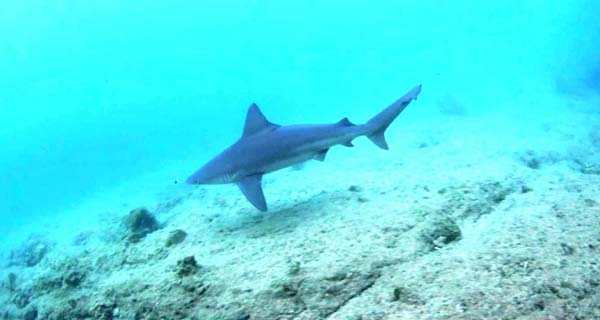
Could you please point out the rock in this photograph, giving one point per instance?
(474, 201)
(21, 298)
(526, 189)
(82, 238)
(404, 295)
(7, 314)
(176, 237)
(186, 266)
(439, 231)
(168, 205)
(294, 268)
(193, 285)
(73, 279)
(313, 297)
(140, 222)
(338, 276)
(241, 315)
(355, 188)
(30, 314)
(103, 311)
(37, 254)
(326, 295)
(30, 253)
(534, 160)
(11, 281)
(591, 168)
(531, 161)
(567, 249)
(285, 289)
(47, 283)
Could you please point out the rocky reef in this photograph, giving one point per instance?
(517, 243)
(30, 253)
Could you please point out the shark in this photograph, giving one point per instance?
(265, 147)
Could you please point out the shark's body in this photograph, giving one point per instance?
(266, 147)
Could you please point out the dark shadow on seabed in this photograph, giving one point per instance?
(254, 224)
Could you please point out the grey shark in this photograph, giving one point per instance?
(266, 147)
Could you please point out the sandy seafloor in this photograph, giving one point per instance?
(468, 216)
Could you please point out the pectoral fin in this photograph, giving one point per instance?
(251, 187)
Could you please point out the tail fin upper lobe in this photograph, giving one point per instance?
(382, 121)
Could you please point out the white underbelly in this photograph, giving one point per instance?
(287, 162)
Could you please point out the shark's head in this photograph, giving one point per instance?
(229, 166)
(216, 171)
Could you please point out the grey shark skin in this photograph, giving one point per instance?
(266, 147)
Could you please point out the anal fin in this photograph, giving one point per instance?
(348, 143)
(320, 156)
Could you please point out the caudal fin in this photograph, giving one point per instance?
(379, 123)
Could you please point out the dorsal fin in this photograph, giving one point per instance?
(345, 123)
(255, 121)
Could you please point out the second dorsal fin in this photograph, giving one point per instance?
(345, 123)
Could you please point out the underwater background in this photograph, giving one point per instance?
(106, 107)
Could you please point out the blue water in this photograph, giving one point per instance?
(93, 93)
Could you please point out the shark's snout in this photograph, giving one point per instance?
(199, 177)
(214, 172)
